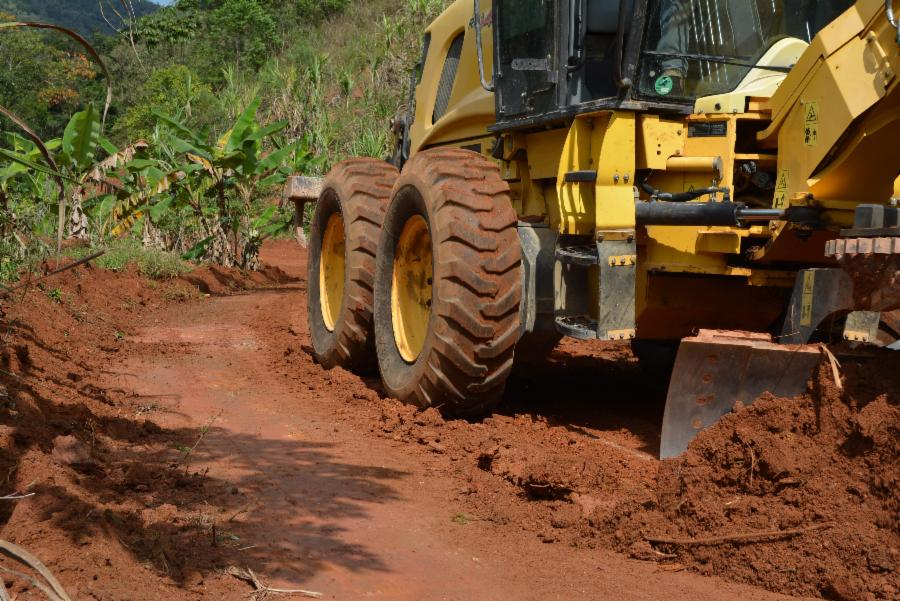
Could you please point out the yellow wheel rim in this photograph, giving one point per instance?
(411, 288)
(331, 271)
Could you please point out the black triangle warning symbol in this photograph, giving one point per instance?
(782, 182)
(812, 113)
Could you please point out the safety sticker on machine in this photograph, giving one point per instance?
(781, 189)
(806, 302)
(811, 120)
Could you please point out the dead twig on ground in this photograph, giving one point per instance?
(240, 511)
(262, 591)
(835, 366)
(749, 537)
(54, 591)
(16, 497)
(7, 291)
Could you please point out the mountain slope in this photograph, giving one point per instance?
(81, 15)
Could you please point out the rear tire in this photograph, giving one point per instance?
(343, 242)
(447, 318)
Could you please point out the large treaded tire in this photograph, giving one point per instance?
(359, 189)
(474, 321)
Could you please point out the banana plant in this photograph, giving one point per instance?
(71, 160)
(216, 182)
(58, 178)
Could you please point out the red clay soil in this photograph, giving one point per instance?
(826, 460)
(85, 449)
(168, 435)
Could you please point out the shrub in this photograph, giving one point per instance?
(151, 263)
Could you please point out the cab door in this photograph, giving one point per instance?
(527, 43)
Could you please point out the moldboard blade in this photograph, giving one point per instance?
(716, 369)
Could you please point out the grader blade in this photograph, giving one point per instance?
(716, 369)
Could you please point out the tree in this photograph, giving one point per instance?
(42, 81)
(246, 29)
(172, 90)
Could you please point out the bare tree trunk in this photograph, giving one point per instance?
(6, 218)
(78, 221)
(219, 250)
(153, 236)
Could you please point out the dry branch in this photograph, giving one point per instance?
(749, 537)
(54, 167)
(89, 258)
(262, 591)
(835, 367)
(82, 41)
(55, 591)
(16, 497)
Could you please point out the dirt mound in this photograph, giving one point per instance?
(824, 464)
(108, 485)
(215, 279)
(827, 460)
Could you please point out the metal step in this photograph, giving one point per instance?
(583, 255)
(584, 176)
(582, 327)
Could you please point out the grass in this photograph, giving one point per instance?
(340, 83)
(151, 263)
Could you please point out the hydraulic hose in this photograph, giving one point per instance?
(623, 81)
(682, 196)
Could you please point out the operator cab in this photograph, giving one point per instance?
(696, 48)
(556, 58)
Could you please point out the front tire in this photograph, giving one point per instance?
(342, 246)
(448, 284)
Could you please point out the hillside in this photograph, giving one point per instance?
(335, 71)
(82, 15)
(326, 75)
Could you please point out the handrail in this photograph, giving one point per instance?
(895, 23)
(622, 81)
(480, 51)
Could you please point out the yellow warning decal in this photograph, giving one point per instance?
(781, 189)
(811, 123)
(806, 301)
(812, 112)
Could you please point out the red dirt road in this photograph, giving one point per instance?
(168, 437)
(325, 504)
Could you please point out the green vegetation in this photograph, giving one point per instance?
(215, 103)
(81, 15)
(150, 262)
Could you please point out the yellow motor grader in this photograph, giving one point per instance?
(721, 174)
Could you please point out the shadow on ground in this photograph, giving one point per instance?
(588, 386)
(118, 480)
